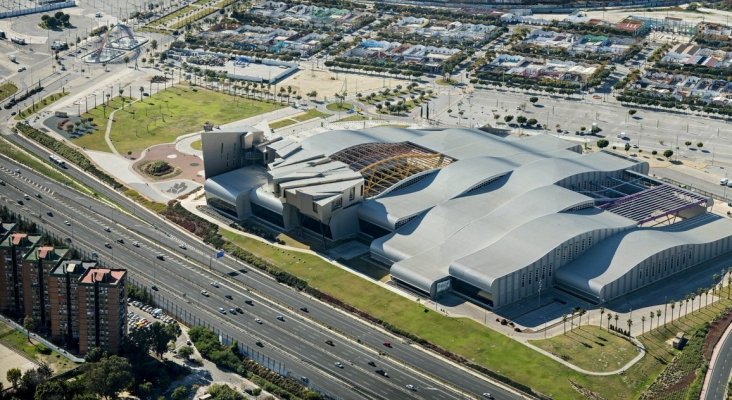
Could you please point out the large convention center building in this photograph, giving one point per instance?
(460, 210)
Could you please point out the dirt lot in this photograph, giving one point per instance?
(10, 359)
(325, 84)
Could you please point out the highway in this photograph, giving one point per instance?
(720, 371)
(298, 341)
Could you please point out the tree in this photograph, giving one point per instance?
(508, 118)
(668, 154)
(643, 324)
(521, 119)
(687, 143)
(564, 323)
(532, 121)
(109, 376)
(161, 335)
(627, 146)
(632, 111)
(142, 90)
(185, 352)
(616, 317)
(224, 392)
(602, 143)
(652, 315)
(602, 312)
(630, 323)
(29, 324)
(180, 393)
(126, 59)
(13, 376)
(700, 145)
(51, 390)
(658, 318)
(154, 44)
(145, 389)
(609, 317)
(533, 100)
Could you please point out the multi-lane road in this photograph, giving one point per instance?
(298, 342)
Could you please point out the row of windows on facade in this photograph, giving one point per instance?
(672, 261)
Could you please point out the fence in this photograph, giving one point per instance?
(33, 10)
(187, 318)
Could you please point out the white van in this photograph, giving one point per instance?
(723, 181)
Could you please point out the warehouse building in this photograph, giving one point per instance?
(461, 211)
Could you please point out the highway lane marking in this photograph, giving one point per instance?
(202, 272)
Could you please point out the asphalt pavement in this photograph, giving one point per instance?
(719, 372)
(299, 342)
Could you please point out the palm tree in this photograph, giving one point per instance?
(673, 305)
(581, 312)
(729, 285)
(609, 317)
(643, 324)
(602, 312)
(617, 317)
(630, 323)
(658, 317)
(142, 90)
(688, 297)
(564, 323)
(652, 315)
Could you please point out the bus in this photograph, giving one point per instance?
(57, 160)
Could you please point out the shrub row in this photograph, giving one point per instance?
(17, 99)
(200, 227)
(69, 153)
(293, 281)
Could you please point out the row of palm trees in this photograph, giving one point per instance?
(715, 289)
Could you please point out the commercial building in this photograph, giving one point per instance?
(37, 266)
(102, 310)
(13, 249)
(63, 293)
(462, 211)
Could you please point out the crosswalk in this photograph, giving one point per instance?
(19, 176)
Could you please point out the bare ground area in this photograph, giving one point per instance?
(326, 84)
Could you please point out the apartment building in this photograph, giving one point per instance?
(36, 267)
(102, 309)
(13, 249)
(63, 286)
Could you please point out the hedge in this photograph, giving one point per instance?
(69, 153)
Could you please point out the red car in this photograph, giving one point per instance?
(387, 344)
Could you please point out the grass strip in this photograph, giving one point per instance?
(39, 165)
(46, 101)
(7, 89)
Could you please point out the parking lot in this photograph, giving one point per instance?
(141, 316)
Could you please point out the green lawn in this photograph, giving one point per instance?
(356, 117)
(590, 348)
(46, 101)
(40, 165)
(166, 115)
(475, 342)
(94, 140)
(310, 114)
(19, 342)
(282, 123)
(7, 89)
(197, 145)
(339, 107)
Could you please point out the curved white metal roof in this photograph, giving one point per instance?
(617, 255)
